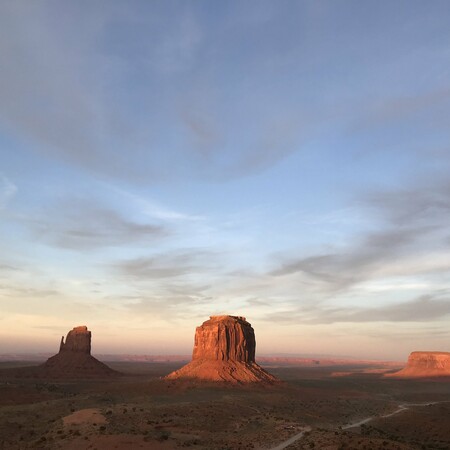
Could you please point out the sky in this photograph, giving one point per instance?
(286, 161)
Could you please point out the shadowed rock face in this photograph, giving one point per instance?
(224, 350)
(78, 340)
(74, 359)
(425, 364)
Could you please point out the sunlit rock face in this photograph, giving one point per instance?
(425, 364)
(224, 350)
(74, 359)
(225, 338)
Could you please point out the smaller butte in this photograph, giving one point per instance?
(224, 350)
(74, 359)
(425, 365)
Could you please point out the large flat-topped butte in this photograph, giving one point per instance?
(224, 350)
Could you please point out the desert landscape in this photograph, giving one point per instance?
(224, 225)
(143, 409)
(222, 399)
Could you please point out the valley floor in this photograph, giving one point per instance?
(142, 411)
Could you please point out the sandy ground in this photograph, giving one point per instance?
(116, 442)
(142, 410)
(84, 417)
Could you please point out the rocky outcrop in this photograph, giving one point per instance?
(225, 338)
(425, 365)
(74, 359)
(77, 340)
(224, 350)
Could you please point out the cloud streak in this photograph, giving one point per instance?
(355, 264)
(7, 191)
(395, 109)
(426, 308)
(423, 309)
(86, 225)
(173, 264)
(102, 121)
(428, 203)
(414, 224)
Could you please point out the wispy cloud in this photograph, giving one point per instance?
(423, 309)
(426, 308)
(260, 146)
(170, 306)
(176, 51)
(7, 267)
(356, 263)
(394, 109)
(101, 122)
(152, 208)
(202, 129)
(168, 265)
(28, 292)
(280, 138)
(426, 203)
(84, 225)
(7, 191)
(409, 240)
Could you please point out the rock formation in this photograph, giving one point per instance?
(224, 350)
(424, 365)
(77, 340)
(74, 359)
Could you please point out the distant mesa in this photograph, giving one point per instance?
(425, 365)
(224, 350)
(74, 359)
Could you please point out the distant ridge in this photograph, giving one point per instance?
(264, 359)
(425, 365)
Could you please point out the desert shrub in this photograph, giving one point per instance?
(163, 435)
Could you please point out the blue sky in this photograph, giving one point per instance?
(164, 161)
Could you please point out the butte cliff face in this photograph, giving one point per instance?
(74, 359)
(225, 338)
(424, 365)
(77, 340)
(224, 350)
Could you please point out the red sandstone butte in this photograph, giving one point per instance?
(224, 350)
(425, 365)
(74, 359)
